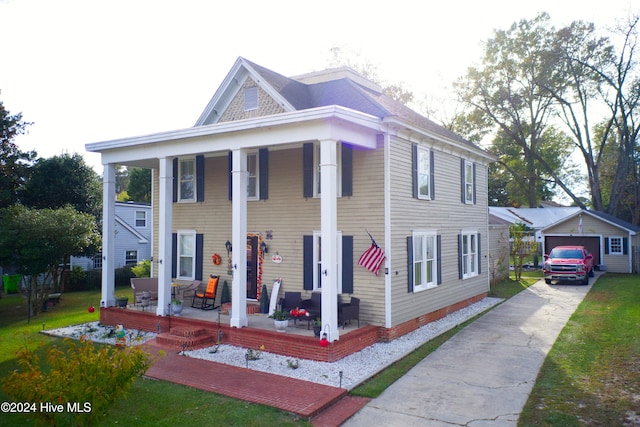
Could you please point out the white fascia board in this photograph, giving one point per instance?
(396, 123)
(140, 237)
(325, 122)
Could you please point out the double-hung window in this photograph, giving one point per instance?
(424, 173)
(468, 186)
(187, 180)
(317, 261)
(253, 172)
(425, 257)
(141, 219)
(469, 254)
(615, 246)
(131, 257)
(186, 261)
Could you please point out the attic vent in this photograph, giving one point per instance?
(251, 98)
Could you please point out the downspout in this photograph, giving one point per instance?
(386, 140)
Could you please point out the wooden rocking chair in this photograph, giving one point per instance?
(207, 299)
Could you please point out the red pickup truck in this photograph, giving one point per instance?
(568, 263)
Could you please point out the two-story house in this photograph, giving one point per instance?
(300, 172)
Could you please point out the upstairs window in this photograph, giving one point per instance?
(251, 98)
(187, 180)
(423, 173)
(468, 178)
(141, 219)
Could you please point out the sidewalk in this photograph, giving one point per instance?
(484, 374)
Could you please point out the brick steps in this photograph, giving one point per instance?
(186, 338)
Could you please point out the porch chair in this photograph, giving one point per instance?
(349, 311)
(206, 299)
(190, 289)
(290, 301)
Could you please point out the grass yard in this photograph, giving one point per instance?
(592, 374)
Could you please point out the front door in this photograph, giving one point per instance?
(252, 267)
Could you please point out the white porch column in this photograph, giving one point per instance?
(108, 235)
(329, 234)
(165, 223)
(239, 239)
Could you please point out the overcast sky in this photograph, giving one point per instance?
(87, 71)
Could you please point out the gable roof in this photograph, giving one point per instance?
(536, 218)
(293, 93)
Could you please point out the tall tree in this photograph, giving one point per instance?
(14, 164)
(139, 188)
(64, 180)
(35, 241)
(507, 91)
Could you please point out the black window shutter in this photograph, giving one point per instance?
(625, 244)
(263, 161)
(174, 255)
(479, 255)
(410, 264)
(176, 178)
(432, 178)
(347, 170)
(462, 189)
(347, 264)
(230, 175)
(199, 255)
(200, 178)
(474, 185)
(606, 246)
(308, 267)
(414, 170)
(439, 255)
(460, 269)
(307, 169)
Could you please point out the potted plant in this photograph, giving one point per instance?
(317, 326)
(280, 320)
(176, 307)
(122, 300)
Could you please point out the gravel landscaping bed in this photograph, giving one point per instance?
(347, 372)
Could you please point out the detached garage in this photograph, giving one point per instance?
(614, 243)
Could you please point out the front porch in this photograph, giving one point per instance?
(297, 341)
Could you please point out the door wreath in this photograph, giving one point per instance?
(216, 259)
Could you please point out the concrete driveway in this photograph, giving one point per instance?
(484, 374)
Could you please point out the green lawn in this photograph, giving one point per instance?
(592, 373)
(607, 319)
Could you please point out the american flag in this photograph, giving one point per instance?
(372, 258)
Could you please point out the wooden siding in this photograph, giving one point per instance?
(498, 252)
(289, 216)
(447, 216)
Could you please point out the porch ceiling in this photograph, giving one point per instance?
(333, 122)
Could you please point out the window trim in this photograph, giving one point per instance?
(144, 214)
(469, 261)
(316, 261)
(256, 155)
(182, 199)
(427, 153)
(469, 183)
(180, 234)
(425, 235)
(611, 251)
(126, 256)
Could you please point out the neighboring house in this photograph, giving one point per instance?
(305, 168)
(614, 243)
(131, 237)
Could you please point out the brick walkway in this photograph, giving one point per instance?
(326, 406)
